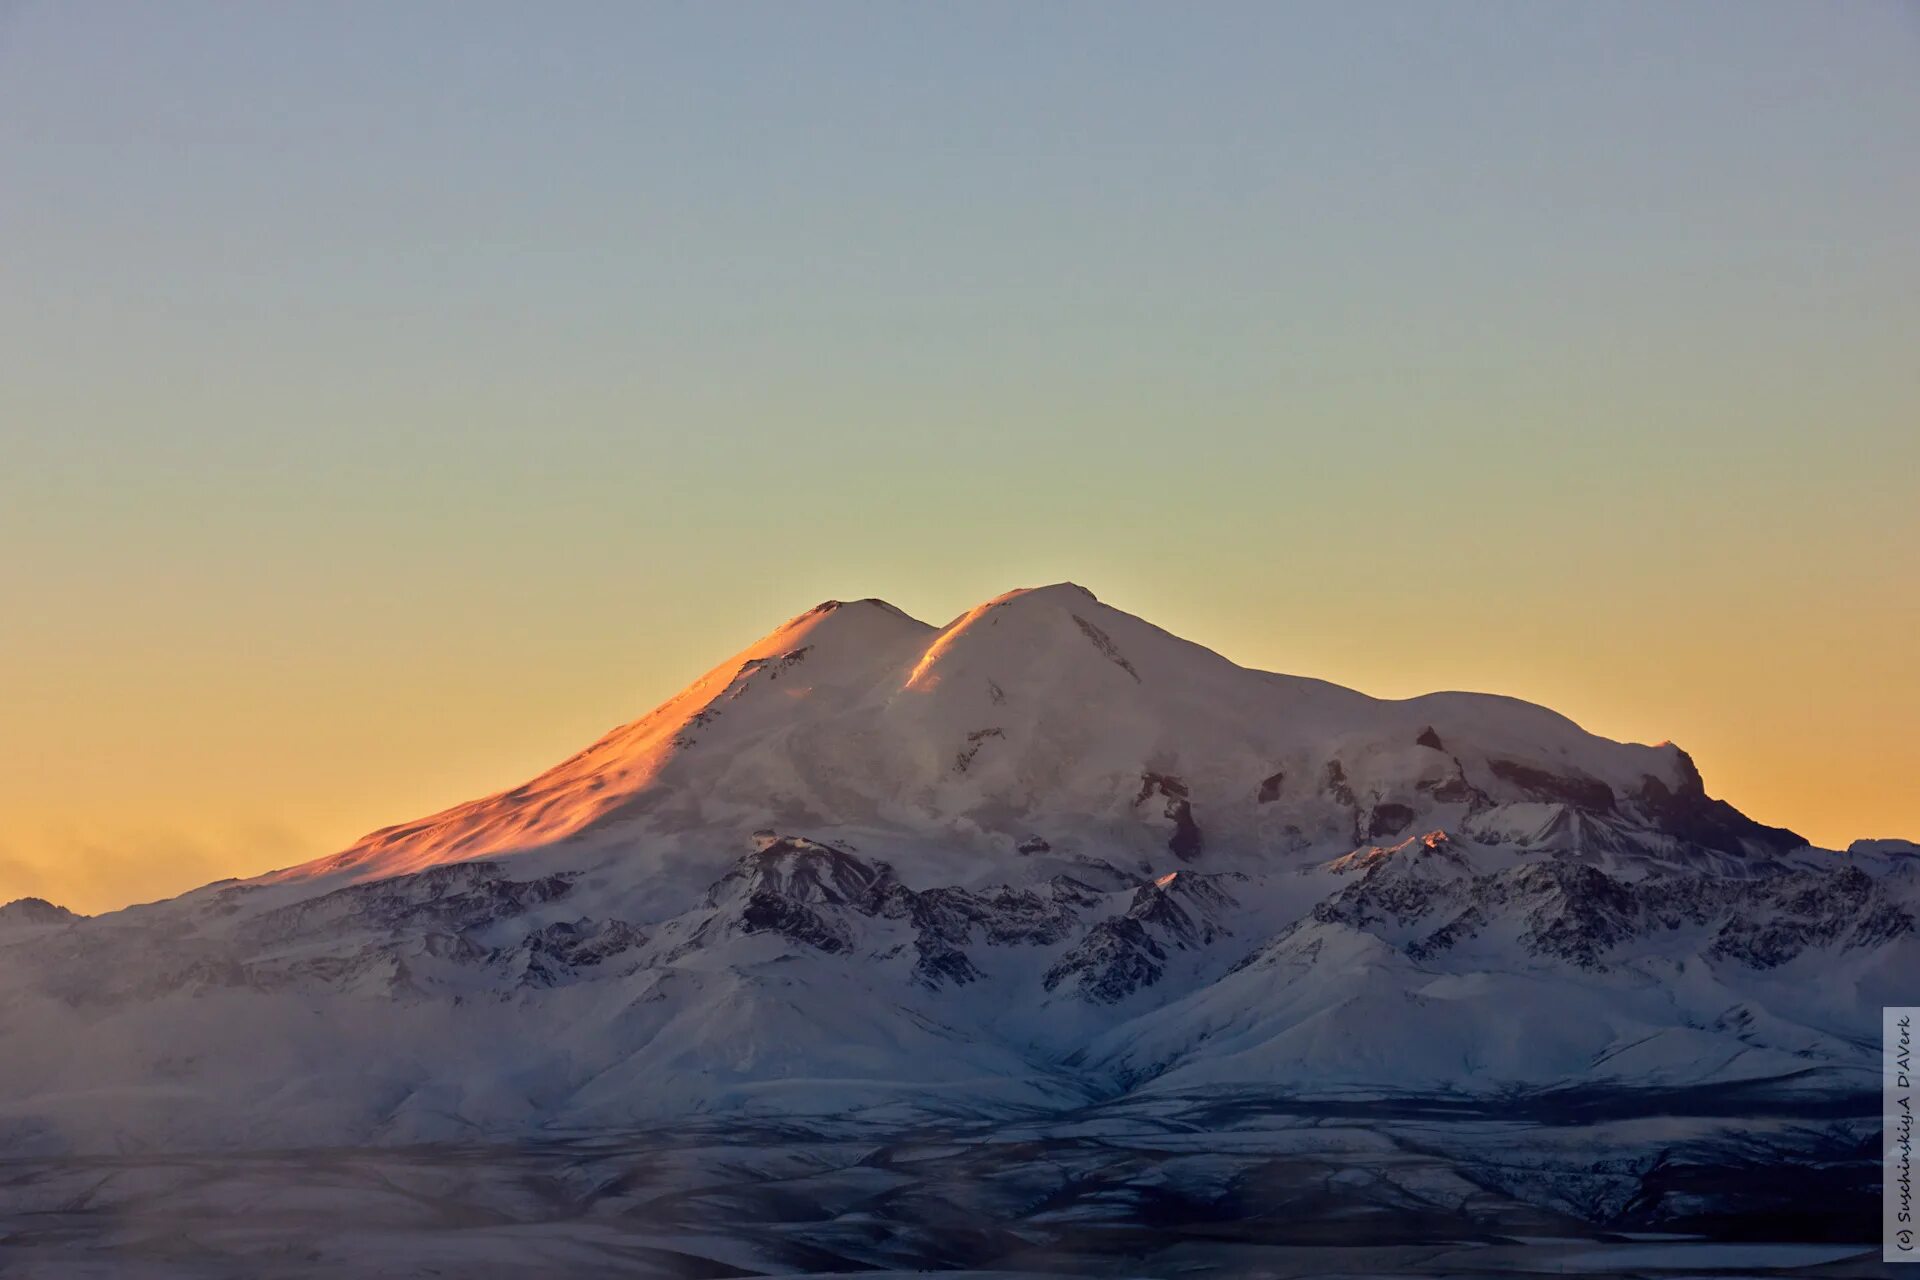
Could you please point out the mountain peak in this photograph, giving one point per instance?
(1045, 629)
(35, 911)
(865, 602)
(1065, 593)
(1045, 706)
(870, 613)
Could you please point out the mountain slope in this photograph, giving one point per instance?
(1047, 705)
(1044, 856)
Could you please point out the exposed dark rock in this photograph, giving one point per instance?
(1116, 958)
(1021, 917)
(797, 888)
(558, 952)
(964, 759)
(451, 898)
(1786, 915)
(1389, 820)
(1399, 887)
(1428, 738)
(801, 869)
(1577, 913)
(1120, 955)
(1590, 794)
(1185, 907)
(888, 899)
(1270, 788)
(1034, 844)
(1334, 783)
(1006, 917)
(941, 963)
(1073, 892)
(768, 912)
(23, 911)
(1186, 842)
(1449, 935)
(1455, 789)
(1688, 813)
(1165, 783)
(771, 666)
(743, 681)
(404, 936)
(1105, 645)
(1574, 911)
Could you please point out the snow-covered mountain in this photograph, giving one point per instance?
(1046, 857)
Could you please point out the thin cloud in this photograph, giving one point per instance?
(97, 873)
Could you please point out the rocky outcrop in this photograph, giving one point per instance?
(36, 912)
(768, 912)
(1117, 958)
(806, 871)
(564, 951)
(1104, 643)
(1389, 819)
(1588, 794)
(1185, 842)
(448, 899)
(812, 893)
(1185, 909)
(1181, 911)
(1686, 812)
(1398, 886)
(1574, 913)
(1774, 921)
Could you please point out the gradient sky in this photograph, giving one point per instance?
(394, 397)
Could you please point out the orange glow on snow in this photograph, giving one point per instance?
(922, 669)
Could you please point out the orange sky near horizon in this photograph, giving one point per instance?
(196, 770)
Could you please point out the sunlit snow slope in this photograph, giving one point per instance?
(1047, 708)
